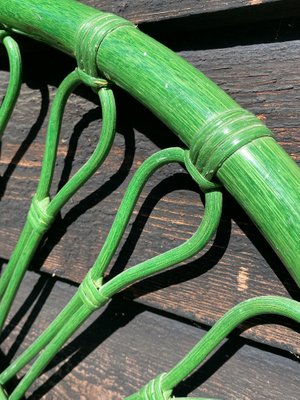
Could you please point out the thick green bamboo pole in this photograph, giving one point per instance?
(225, 141)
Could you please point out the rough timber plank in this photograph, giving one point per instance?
(239, 265)
(157, 10)
(124, 346)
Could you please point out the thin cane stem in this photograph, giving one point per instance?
(59, 332)
(15, 80)
(231, 320)
(43, 211)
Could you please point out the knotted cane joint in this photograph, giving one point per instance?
(204, 184)
(90, 36)
(154, 391)
(222, 136)
(90, 293)
(91, 81)
(39, 218)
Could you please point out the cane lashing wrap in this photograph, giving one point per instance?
(90, 36)
(90, 293)
(222, 136)
(38, 216)
(154, 391)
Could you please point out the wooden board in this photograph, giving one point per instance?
(120, 349)
(239, 265)
(157, 10)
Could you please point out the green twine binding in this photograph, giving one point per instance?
(38, 215)
(204, 184)
(90, 292)
(90, 36)
(222, 136)
(154, 391)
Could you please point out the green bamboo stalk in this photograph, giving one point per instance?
(259, 174)
(224, 142)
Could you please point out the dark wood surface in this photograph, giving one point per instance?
(238, 264)
(157, 10)
(119, 349)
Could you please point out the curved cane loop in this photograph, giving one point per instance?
(223, 327)
(43, 210)
(15, 79)
(204, 184)
(93, 293)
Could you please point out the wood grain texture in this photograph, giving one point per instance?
(119, 349)
(261, 77)
(157, 10)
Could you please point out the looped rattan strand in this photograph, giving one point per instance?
(222, 136)
(153, 390)
(91, 33)
(93, 293)
(90, 292)
(238, 314)
(15, 79)
(204, 184)
(43, 210)
(91, 81)
(38, 215)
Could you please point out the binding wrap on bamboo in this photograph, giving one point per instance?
(223, 146)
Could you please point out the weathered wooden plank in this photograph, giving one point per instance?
(157, 10)
(239, 265)
(120, 349)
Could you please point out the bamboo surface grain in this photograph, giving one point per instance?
(119, 349)
(262, 78)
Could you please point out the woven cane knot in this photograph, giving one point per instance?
(93, 82)
(90, 36)
(153, 390)
(3, 34)
(204, 184)
(38, 216)
(222, 136)
(90, 293)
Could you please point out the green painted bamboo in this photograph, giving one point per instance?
(15, 79)
(224, 142)
(186, 101)
(43, 210)
(161, 388)
(93, 293)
